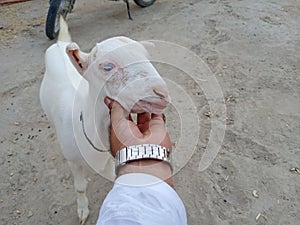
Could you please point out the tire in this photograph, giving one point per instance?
(144, 3)
(57, 8)
(52, 22)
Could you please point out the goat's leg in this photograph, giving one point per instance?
(80, 184)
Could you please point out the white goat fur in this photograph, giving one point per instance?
(75, 84)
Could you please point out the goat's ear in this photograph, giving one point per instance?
(147, 44)
(77, 57)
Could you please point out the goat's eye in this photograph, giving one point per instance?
(108, 67)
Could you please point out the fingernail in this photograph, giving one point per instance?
(107, 101)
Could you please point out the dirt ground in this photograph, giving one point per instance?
(253, 49)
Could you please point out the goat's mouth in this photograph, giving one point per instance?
(156, 107)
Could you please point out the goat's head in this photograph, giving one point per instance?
(121, 69)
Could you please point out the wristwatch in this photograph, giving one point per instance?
(143, 151)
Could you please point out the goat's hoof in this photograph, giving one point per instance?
(82, 222)
(83, 214)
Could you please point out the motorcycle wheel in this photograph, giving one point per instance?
(52, 22)
(144, 3)
(57, 8)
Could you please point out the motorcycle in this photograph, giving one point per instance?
(63, 7)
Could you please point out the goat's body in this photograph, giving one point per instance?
(57, 92)
(75, 104)
(57, 95)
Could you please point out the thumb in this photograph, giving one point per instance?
(108, 101)
(117, 112)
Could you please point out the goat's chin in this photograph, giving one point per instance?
(150, 107)
(155, 111)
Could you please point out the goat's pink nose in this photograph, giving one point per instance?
(160, 93)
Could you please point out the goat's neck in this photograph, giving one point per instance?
(95, 118)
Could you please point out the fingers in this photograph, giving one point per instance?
(158, 132)
(117, 112)
(108, 101)
(123, 132)
(150, 128)
(143, 118)
(160, 117)
(143, 121)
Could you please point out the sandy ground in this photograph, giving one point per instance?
(252, 47)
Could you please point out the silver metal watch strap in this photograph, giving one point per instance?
(143, 151)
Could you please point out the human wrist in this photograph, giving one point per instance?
(142, 152)
(144, 158)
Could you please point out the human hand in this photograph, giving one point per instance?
(149, 129)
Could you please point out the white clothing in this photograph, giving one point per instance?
(142, 199)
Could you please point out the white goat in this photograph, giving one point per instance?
(72, 94)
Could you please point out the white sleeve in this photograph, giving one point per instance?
(142, 199)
